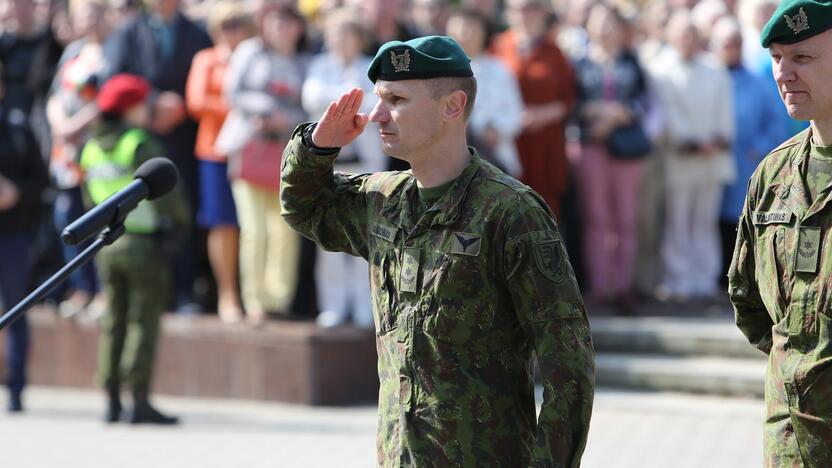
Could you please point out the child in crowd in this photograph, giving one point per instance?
(134, 270)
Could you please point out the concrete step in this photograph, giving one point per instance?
(692, 374)
(199, 356)
(682, 336)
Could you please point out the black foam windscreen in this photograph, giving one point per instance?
(159, 174)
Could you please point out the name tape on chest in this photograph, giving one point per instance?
(772, 217)
(383, 231)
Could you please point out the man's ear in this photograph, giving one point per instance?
(455, 105)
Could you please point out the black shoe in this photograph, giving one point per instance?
(15, 404)
(143, 413)
(113, 413)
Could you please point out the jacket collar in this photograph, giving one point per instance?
(399, 209)
(794, 192)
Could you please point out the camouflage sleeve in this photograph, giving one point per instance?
(328, 207)
(749, 312)
(549, 306)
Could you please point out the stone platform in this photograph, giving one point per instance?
(199, 356)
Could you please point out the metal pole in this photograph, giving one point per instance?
(107, 237)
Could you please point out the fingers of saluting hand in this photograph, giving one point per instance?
(349, 103)
(331, 112)
(356, 96)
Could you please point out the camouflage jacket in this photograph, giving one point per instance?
(462, 297)
(779, 284)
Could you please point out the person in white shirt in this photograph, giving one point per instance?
(343, 280)
(698, 100)
(497, 116)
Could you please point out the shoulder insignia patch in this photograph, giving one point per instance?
(548, 256)
(466, 244)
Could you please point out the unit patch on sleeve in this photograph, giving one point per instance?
(549, 258)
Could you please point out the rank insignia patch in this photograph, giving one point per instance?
(409, 276)
(808, 246)
(466, 244)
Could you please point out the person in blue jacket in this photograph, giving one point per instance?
(761, 124)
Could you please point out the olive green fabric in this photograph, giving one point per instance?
(136, 279)
(134, 270)
(429, 196)
(420, 58)
(463, 296)
(780, 290)
(818, 170)
(797, 20)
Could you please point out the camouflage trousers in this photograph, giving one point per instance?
(137, 280)
(798, 425)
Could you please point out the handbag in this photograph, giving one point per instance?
(629, 142)
(258, 163)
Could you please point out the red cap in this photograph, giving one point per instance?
(122, 92)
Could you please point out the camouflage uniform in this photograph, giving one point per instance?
(780, 288)
(462, 296)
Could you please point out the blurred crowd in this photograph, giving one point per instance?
(639, 122)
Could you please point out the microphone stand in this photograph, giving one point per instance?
(106, 237)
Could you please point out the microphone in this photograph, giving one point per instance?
(154, 178)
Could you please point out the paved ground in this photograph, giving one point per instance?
(629, 429)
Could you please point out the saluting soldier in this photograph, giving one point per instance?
(468, 271)
(779, 281)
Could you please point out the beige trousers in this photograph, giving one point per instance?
(269, 250)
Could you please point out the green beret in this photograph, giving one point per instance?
(797, 20)
(419, 59)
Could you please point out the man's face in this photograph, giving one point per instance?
(408, 116)
(165, 8)
(603, 28)
(377, 10)
(802, 72)
(22, 11)
(527, 16)
(468, 32)
(684, 40)
(729, 49)
(87, 18)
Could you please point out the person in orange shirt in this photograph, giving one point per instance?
(228, 25)
(547, 84)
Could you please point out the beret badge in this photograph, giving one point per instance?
(401, 62)
(799, 22)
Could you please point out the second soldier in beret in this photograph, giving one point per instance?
(468, 272)
(779, 276)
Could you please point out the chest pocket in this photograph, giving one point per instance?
(382, 289)
(772, 268)
(462, 300)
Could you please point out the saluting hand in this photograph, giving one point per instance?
(341, 122)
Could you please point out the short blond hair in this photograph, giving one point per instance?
(228, 10)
